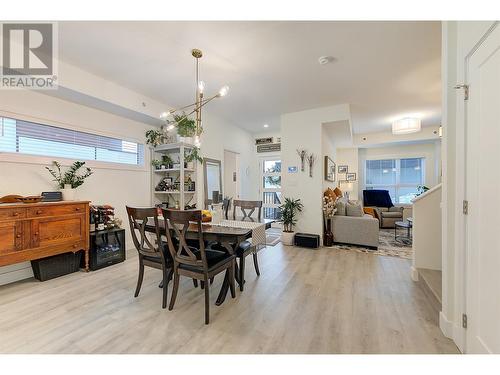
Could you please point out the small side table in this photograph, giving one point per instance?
(404, 224)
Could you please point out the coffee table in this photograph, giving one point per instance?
(407, 240)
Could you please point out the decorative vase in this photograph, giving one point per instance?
(287, 238)
(68, 193)
(328, 235)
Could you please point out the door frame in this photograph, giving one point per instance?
(462, 265)
(263, 158)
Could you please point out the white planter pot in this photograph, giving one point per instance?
(68, 194)
(287, 238)
(188, 140)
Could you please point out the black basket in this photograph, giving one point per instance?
(55, 266)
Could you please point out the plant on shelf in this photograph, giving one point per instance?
(186, 127)
(167, 161)
(156, 163)
(71, 179)
(421, 189)
(289, 212)
(194, 154)
(154, 137)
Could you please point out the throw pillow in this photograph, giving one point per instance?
(353, 209)
(330, 193)
(338, 192)
(341, 206)
(370, 211)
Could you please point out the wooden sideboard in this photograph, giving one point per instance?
(39, 230)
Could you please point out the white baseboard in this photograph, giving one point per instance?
(414, 274)
(445, 325)
(15, 272)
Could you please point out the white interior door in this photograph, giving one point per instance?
(483, 194)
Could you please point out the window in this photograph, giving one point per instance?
(271, 187)
(37, 139)
(400, 176)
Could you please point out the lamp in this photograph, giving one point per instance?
(197, 105)
(348, 187)
(406, 125)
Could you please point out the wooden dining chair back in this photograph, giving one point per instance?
(198, 263)
(151, 251)
(247, 209)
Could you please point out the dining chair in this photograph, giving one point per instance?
(151, 254)
(195, 262)
(246, 248)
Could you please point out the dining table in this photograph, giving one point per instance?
(228, 237)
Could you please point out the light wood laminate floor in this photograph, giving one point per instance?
(305, 301)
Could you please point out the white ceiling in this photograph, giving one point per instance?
(384, 70)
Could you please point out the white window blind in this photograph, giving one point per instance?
(38, 139)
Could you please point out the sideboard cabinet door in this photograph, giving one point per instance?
(11, 236)
(53, 231)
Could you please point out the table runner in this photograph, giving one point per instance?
(258, 230)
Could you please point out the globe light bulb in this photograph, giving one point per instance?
(201, 87)
(164, 115)
(223, 91)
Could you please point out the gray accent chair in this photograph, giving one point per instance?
(381, 202)
(356, 230)
(389, 216)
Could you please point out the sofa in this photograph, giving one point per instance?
(384, 209)
(356, 230)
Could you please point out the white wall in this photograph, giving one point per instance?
(349, 157)
(26, 175)
(303, 130)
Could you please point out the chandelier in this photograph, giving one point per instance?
(195, 107)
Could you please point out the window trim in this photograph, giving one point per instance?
(398, 183)
(16, 157)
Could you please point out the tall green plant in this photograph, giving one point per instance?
(193, 155)
(289, 212)
(71, 176)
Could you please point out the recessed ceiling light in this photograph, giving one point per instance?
(325, 60)
(266, 125)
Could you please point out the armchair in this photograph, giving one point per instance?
(381, 202)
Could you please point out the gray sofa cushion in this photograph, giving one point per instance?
(392, 214)
(355, 210)
(355, 230)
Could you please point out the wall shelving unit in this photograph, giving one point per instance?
(184, 197)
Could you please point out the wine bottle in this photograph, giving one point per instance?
(92, 220)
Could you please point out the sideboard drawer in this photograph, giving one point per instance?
(66, 209)
(12, 213)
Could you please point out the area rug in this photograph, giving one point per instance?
(273, 236)
(388, 246)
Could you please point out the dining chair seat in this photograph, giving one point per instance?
(215, 259)
(242, 247)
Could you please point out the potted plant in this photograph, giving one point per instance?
(154, 137)
(156, 163)
(69, 180)
(186, 128)
(167, 161)
(289, 211)
(192, 156)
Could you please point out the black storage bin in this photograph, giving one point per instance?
(307, 240)
(55, 266)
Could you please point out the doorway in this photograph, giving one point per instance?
(231, 174)
(270, 186)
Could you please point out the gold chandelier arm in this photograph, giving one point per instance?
(202, 103)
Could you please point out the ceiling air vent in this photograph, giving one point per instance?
(272, 147)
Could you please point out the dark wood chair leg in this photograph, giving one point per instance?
(139, 279)
(207, 301)
(237, 272)
(242, 272)
(256, 263)
(174, 291)
(212, 280)
(195, 283)
(202, 284)
(231, 280)
(165, 288)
